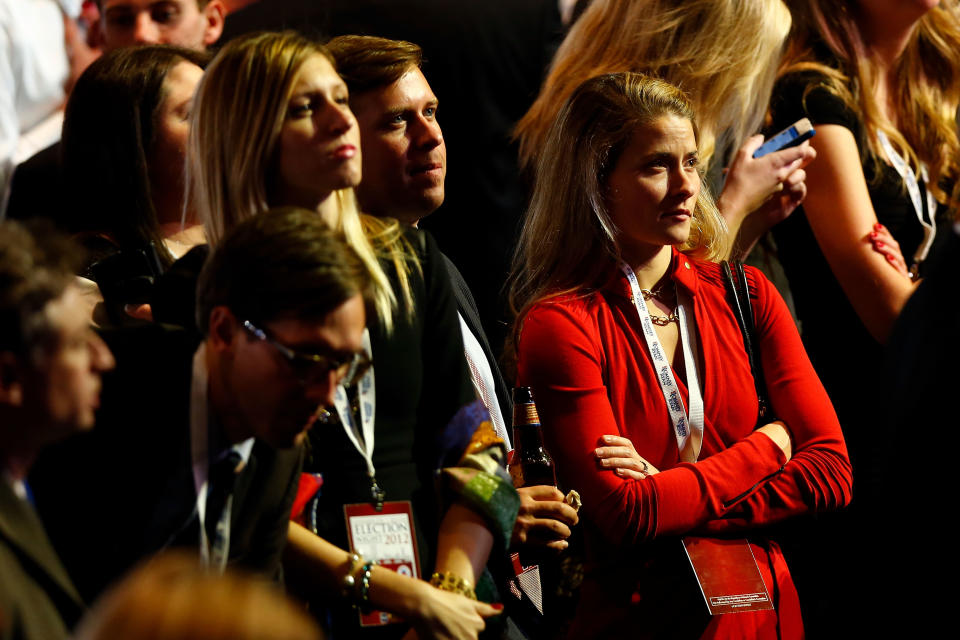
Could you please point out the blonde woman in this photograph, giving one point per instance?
(724, 54)
(626, 335)
(272, 126)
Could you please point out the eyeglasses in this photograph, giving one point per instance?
(311, 367)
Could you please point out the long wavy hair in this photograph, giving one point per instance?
(233, 155)
(722, 53)
(926, 93)
(569, 239)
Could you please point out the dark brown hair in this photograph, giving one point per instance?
(35, 269)
(369, 62)
(284, 262)
(108, 134)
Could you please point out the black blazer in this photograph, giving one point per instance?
(123, 491)
(37, 599)
(468, 309)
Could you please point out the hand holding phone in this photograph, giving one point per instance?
(790, 137)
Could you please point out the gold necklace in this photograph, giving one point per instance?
(658, 293)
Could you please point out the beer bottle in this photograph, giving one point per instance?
(531, 463)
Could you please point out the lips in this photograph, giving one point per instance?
(426, 168)
(677, 214)
(344, 152)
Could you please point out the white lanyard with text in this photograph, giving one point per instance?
(212, 556)
(362, 435)
(689, 431)
(913, 188)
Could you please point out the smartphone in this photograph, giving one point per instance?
(790, 137)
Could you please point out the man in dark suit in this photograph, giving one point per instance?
(404, 169)
(50, 366)
(199, 445)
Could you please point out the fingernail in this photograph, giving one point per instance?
(880, 244)
(890, 258)
(878, 226)
(873, 234)
(498, 606)
(597, 452)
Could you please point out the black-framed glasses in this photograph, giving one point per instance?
(311, 367)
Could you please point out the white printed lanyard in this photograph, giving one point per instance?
(362, 435)
(212, 556)
(682, 425)
(913, 188)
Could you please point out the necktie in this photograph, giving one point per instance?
(222, 479)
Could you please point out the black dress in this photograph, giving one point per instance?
(421, 381)
(847, 358)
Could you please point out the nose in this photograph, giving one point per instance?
(340, 119)
(145, 30)
(686, 183)
(428, 134)
(100, 357)
(323, 388)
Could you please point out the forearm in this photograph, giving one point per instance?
(463, 544)
(320, 567)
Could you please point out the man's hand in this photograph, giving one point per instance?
(544, 518)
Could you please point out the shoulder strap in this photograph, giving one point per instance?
(736, 280)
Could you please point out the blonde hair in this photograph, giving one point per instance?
(926, 93)
(722, 53)
(569, 238)
(232, 155)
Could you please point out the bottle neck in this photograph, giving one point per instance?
(527, 436)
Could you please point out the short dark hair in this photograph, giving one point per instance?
(109, 130)
(35, 269)
(284, 262)
(369, 62)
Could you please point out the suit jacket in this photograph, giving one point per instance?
(125, 490)
(468, 310)
(37, 599)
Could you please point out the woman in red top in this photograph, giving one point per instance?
(618, 215)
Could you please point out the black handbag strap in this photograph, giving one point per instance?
(736, 280)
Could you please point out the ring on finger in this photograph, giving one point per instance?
(646, 467)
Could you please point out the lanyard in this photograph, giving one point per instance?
(689, 431)
(913, 188)
(362, 435)
(211, 555)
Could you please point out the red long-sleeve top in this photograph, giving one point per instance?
(587, 362)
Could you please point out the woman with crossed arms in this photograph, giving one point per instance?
(618, 236)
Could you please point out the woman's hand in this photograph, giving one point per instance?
(752, 181)
(449, 616)
(781, 436)
(883, 243)
(617, 454)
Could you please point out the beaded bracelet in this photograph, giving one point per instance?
(447, 581)
(363, 597)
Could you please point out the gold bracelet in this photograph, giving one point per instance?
(446, 581)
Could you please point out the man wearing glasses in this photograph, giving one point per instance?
(200, 445)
